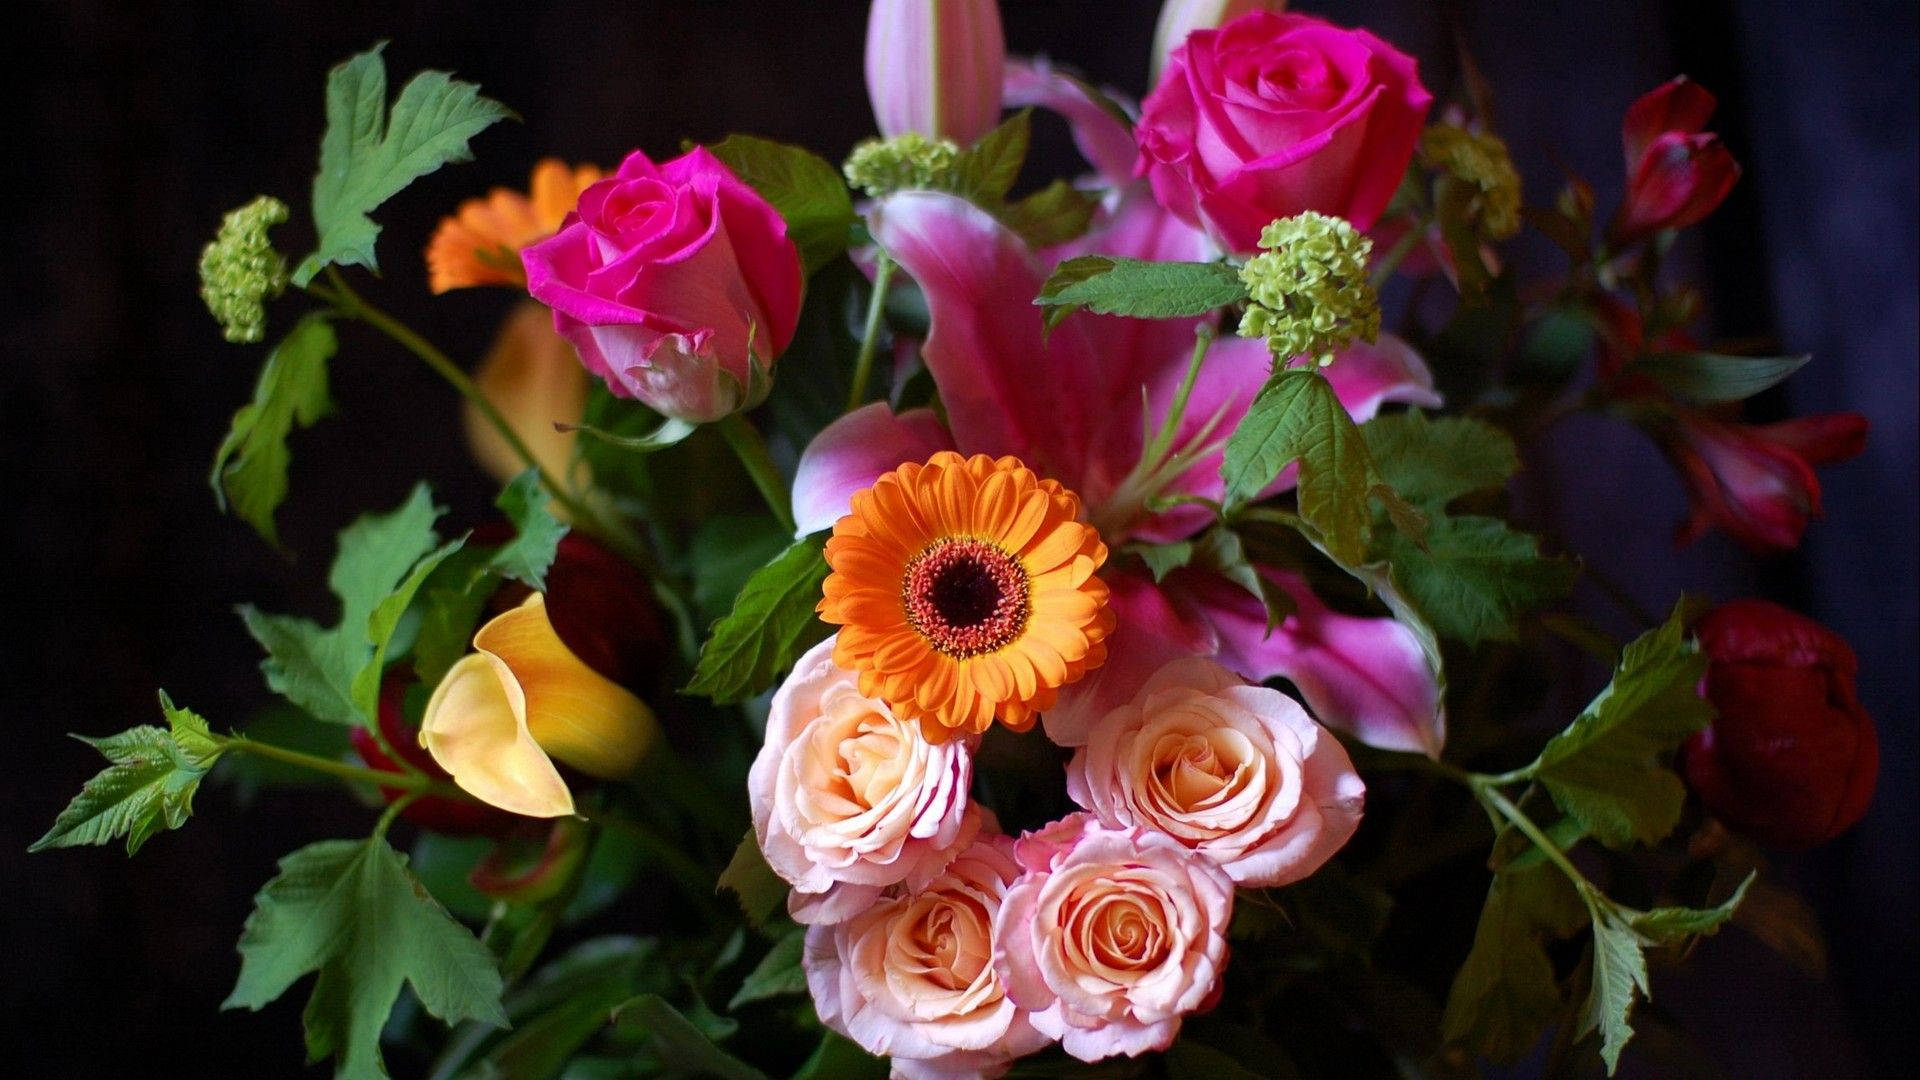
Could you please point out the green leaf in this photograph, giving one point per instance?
(315, 667)
(1474, 577)
(777, 974)
(450, 605)
(771, 624)
(725, 552)
(679, 1043)
(985, 172)
(1188, 1059)
(250, 468)
(1433, 462)
(382, 624)
(752, 882)
(536, 533)
(840, 1058)
(350, 911)
(1619, 976)
(1220, 550)
(807, 191)
(367, 155)
(1163, 559)
(1667, 925)
(1110, 285)
(1713, 378)
(669, 432)
(1506, 994)
(1607, 768)
(1053, 215)
(148, 784)
(1297, 417)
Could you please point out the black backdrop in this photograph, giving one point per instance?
(131, 127)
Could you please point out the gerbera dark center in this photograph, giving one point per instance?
(966, 597)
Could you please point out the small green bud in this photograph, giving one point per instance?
(1309, 288)
(240, 271)
(1480, 161)
(880, 166)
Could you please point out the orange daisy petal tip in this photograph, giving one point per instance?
(965, 591)
(479, 244)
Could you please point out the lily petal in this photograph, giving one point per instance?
(1367, 376)
(1102, 138)
(852, 452)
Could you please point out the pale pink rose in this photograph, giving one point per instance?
(849, 799)
(912, 976)
(677, 284)
(1238, 773)
(1272, 115)
(1114, 939)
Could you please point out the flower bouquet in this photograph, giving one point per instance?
(943, 622)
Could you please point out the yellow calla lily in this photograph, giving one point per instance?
(503, 715)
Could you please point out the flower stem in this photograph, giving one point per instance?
(1490, 796)
(751, 449)
(870, 336)
(1416, 230)
(413, 783)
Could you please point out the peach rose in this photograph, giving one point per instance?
(1238, 773)
(848, 798)
(1114, 938)
(913, 976)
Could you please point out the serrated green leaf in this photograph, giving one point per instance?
(148, 784)
(250, 468)
(1163, 559)
(1220, 550)
(1619, 977)
(450, 605)
(1664, 926)
(1474, 577)
(1297, 417)
(752, 882)
(367, 155)
(1607, 768)
(315, 667)
(985, 171)
(1714, 378)
(1053, 215)
(1505, 994)
(352, 912)
(679, 1043)
(536, 532)
(778, 973)
(1432, 462)
(1110, 285)
(381, 625)
(771, 624)
(807, 191)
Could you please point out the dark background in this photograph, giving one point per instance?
(131, 128)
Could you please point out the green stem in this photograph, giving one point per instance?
(751, 449)
(1203, 340)
(350, 304)
(412, 783)
(1416, 231)
(393, 811)
(870, 337)
(1489, 795)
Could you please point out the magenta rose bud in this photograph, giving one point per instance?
(1677, 173)
(1757, 482)
(1272, 115)
(935, 67)
(1792, 757)
(677, 284)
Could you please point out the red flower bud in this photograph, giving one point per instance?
(600, 605)
(1757, 482)
(1676, 172)
(455, 817)
(1792, 757)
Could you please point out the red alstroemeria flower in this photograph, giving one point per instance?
(1757, 481)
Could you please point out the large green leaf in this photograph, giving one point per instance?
(1619, 977)
(367, 155)
(1474, 577)
(778, 974)
(1607, 769)
(350, 911)
(1714, 378)
(1297, 417)
(771, 624)
(1506, 994)
(679, 1043)
(752, 882)
(148, 784)
(250, 468)
(985, 171)
(807, 191)
(1432, 462)
(536, 532)
(1110, 285)
(316, 667)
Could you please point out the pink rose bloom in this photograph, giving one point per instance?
(912, 976)
(849, 799)
(1238, 773)
(1275, 114)
(1114, 939)
(676, 283)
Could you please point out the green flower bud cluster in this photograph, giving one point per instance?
(240, 271)
(1309, 289)
(1480, 161)
(879, 166)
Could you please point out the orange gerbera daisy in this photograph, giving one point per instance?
(964, 589)
(480, 243)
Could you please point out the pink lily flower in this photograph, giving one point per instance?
(1069, 405)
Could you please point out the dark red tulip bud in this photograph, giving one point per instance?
(1791, 759)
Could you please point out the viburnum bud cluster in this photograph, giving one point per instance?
(910, 160)
(240, 270)
(1308, 288)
